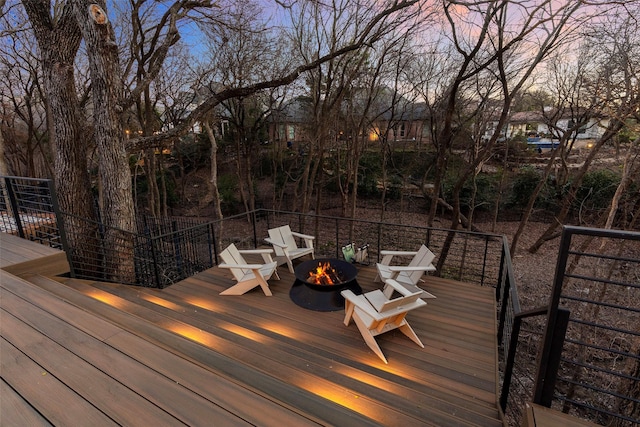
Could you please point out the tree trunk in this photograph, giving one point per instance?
(213, 193)
(625, 182)
(117, 209)
(530, 204)
(550, 232)
(59, 41)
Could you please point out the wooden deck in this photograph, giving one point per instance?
(111, 354)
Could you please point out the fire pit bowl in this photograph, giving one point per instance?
(323, 296)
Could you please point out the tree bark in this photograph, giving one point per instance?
(117, 209)
(58, 39)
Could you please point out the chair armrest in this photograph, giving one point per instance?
(362, 303)
(266, 253)
(256, 251)
(399, 253)
(387, 256)
(399, 268)
(303, 236)
(243, 266)
(274, 243)
(397, 287)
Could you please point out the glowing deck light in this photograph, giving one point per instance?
(195, 334)
(280, 330)
(161, 302)
(202, 303)
(107, 298)
(246, 333)
(347, 399)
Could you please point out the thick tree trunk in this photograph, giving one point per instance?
(58, 41)
(107, 89)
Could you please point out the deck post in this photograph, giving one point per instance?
(14, 206)
(548, 372)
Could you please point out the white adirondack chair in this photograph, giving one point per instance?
(374, 313)
(285, 247)
(407, 275)
(248, 276)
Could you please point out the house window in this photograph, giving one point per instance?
(290, 133)
(403, 130)
(582, 129)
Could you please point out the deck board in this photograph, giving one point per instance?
(15, 250)
(16, 411)
(255, 359)
(19, 256)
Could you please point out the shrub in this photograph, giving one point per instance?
(597, 190)
(524, 182)
(228, 189)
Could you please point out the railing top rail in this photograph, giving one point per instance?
(602, 232)
(24, 178)
(418, 227)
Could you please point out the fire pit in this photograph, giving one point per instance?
(319, 282)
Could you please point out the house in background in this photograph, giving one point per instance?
(547, 127)
(405, 124)
(289, 123)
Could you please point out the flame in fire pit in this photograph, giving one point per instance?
(324, 274)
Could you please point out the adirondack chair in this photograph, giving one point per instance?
(407, 275)
(248, 276)
(285, 247)
(374, 313)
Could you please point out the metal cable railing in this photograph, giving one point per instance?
(594, 372)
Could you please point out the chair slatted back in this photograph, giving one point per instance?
(424, 257)
(283, 235)
(231, 255)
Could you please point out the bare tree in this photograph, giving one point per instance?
(59, 38)
(321, 29)
(24, 118)
(614, 86)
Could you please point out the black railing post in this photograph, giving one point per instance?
(510, 362)
(156, 273)
(211, 239)
(543, 394)
(14, 206)
(501, 270)
(255, 229)
(484, 259)
(215, 239)
(550, 331)
(502, 318)
(338, 245)
(512, 350)
(177, 247)
(379, 233)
